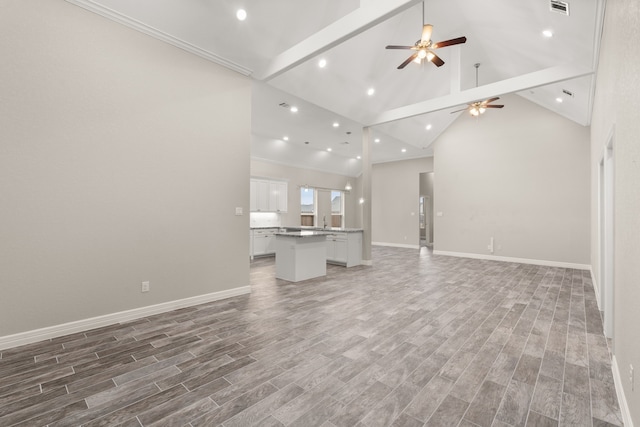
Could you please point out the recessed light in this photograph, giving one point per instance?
(376, 140)
(358, 157)
(241, 14)
(329, 149)
(294, 109)
(286, 138)
(371, 91)
(558, 99)
(322, 63)
(547, 33)
(404, 150)
(336, 124)
(429, 127)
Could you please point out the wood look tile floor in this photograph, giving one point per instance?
(415, 340)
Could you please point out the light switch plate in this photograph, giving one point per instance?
(238, 211)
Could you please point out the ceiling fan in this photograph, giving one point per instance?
(479, 107)
(424, 47)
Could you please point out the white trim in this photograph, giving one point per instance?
(115, 16)
(517, 260)
(395, 245)
(29, 337)
(596, 288)
(622, 399)
(367, 262)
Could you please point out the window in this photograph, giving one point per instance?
(337, 208)
(307, 207)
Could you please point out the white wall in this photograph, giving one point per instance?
(395, 193)
(122, 160)
(616, 109)
(297, 177)
(520, 175)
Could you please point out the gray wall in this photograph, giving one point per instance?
(395, 190)
(122, 160)
(520, 175)
(617, 103)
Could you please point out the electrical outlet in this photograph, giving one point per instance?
(631, 379)
(144, 287)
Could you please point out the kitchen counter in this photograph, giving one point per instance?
(302, 233)
(328, 229)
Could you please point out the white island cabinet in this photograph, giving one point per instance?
(344, 248)
(301, 255)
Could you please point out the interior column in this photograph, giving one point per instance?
(366, 196)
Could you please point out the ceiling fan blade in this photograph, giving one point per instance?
(427, 29)
(491, 100)
(451, 42)
(457, 111)
(409, 59)
(437, 60)
(492, 106)
(399, 47)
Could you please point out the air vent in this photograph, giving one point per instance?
(284, 105)
(568, 93)
(559, 6)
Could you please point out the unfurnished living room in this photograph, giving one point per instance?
(335, 213)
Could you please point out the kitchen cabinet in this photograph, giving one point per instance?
(268, 195)
(278, 196)
(263, 242)
(344, 248)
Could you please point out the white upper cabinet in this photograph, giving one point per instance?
(268, 196)
(278, 196)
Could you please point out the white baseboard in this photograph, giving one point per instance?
(396, 245)
(366, 262)
(516, 260)
(29, 337)
(596, 288)
(622, 399)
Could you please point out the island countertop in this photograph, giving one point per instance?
(328, 229)
(302, 233)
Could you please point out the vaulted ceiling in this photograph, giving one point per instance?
(281, 42)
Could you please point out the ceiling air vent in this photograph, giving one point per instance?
(559, 6)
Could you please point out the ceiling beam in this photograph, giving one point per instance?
(503, 87)
(356, 22)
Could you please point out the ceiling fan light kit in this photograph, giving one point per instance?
(424, 48)
(479, 107)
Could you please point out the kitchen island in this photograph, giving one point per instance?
(301, 255)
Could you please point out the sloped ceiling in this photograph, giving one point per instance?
(281, 42)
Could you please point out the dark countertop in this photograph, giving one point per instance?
(302, 233)
(328, 229)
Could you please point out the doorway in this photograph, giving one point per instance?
(425, 209)
(606, 236)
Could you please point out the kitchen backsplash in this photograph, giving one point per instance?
(264, 219)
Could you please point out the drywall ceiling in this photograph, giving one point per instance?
(282, 41)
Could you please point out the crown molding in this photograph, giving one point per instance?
(127, 21)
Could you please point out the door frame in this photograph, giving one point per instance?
(606, 233)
